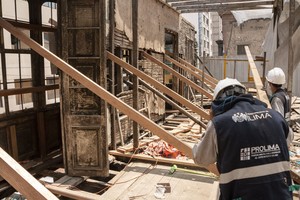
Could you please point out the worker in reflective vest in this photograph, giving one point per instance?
(249, 142)
(280, 100)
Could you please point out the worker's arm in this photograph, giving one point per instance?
(290, 137)
(205, 152)
(277, 105)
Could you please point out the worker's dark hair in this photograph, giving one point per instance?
(276, 85)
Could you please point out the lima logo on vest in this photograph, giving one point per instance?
(249, 117)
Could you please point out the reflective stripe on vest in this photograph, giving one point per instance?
(256, 171)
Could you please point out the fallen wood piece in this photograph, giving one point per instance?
(21, 179)
(73, 194)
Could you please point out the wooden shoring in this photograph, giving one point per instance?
(192, 67)
(261, 94)
(159, 86)
(17, 91)
(21, 179)
(166, 99)
(103, 94)
(198, 76)
(178, 75)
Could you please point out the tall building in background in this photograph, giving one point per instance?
(209, 32)
(217, 35)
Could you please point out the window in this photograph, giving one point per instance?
(23, 98)
(241, 49)
(52, 94)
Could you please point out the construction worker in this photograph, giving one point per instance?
(280, 100)
(249, 143)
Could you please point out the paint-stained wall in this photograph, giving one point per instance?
(154, 18)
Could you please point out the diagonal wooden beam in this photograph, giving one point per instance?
(198, 76)
(178, 75)
(159, 86)
(104, 94)
(261, 94)
(21, 179)
(192, 67)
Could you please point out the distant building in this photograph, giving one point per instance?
(209, 30)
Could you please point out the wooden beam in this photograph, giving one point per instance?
(224, 5)
(17, 91)
(204, 2)
(135, 80)
(166, 99)
(223, 9)
(198, 76)
(261, 94)
(192, 67)
(159, 86)
(73, 194)
(290, 68)
(102, 93)
(21, 179)
(178, 75)
(187, 163)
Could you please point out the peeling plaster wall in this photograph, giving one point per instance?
(187, 32)
(154, 18)
(251, 32)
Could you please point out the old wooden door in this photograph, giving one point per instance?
(83, 113)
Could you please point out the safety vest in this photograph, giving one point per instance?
(253, 157)
(285, 99)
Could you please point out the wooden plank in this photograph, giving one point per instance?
(261, 94)
(21, 179)
(178, 75)
(73, 194)
(13, 142)
(159, 86)
(198, 76)
(183, 185)
(187, 163)
(212, 79)
(27, 90)
(102, 93)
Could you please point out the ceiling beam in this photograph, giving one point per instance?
(218, 9)
(203, 2)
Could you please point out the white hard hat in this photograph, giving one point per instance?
(276, 76)
(227, 82)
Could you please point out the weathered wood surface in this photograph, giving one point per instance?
(98, 90)
(130, 184)
(193, 72)
(261, 94)
(21, 179)
(178, 75)
(159, 86)
(212, 79)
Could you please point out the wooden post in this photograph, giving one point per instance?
(135, 92)
(22, 180)
(234, 69)
(13, 141)
(291, 53)
(111, 66)
(264, 69)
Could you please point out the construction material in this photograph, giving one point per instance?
(101, 92)
(159, 86)
(193, 72)
(178, 75)
(21, 179)
(174, 168)
(261, 94)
